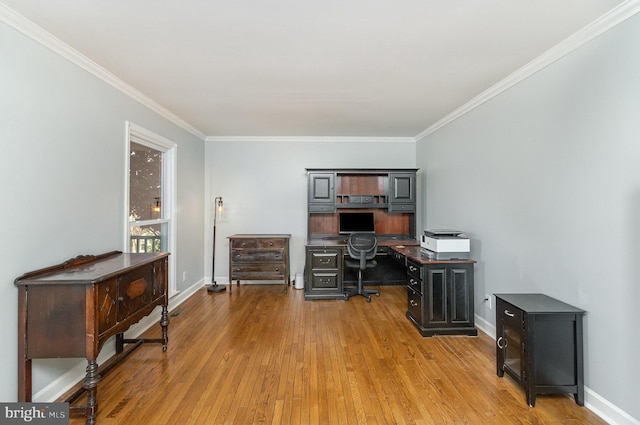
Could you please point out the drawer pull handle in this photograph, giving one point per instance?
(325, 260)
(277, 269)
(413, 303)
(508, 313)
(413, 281)
(270, 243)
(499, 345)
(412, 268)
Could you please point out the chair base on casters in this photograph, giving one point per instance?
(359, 290)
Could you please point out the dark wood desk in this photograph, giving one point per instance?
(440, 293)
(71, 309)
(326, 276)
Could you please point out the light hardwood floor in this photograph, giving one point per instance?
(262, 355)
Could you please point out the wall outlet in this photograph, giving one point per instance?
(184, 276)
(487, 301)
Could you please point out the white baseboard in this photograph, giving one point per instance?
(66, 381)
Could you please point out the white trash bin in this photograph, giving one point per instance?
(299, 281)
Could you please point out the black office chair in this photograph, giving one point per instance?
(362, 252)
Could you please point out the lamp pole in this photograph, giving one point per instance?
(218, 205)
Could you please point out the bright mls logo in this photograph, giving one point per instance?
(34, 413)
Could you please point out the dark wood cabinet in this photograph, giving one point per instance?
(321, 192)
(439, 293)
(259, 257)
(402, 191)
(324, 272)
(539, 344)
(71, 309)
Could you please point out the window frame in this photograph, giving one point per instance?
(142, 136)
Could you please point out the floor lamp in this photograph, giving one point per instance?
(217, 211)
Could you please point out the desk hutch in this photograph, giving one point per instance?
(390, 194)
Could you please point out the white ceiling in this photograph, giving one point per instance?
(360, 68)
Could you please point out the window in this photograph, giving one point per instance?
(150, 194)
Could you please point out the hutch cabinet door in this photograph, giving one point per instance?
(322, 192)
(402, 187)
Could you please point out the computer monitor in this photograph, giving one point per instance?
(350, 222)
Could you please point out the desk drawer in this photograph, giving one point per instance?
(399, 258)
(414, 304)
(414, 269)
(324, 260)
(324, 281)
(415, 284)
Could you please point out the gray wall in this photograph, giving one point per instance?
(264, 185)
(546, 179)
(62, 138)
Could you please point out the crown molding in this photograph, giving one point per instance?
(46, 39)
(601, 25)
(307, 139)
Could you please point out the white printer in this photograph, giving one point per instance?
(445, 244)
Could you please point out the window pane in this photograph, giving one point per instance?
(145, 179)
(148, 238)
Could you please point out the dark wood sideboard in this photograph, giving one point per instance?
(71, 309)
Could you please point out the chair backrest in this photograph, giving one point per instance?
(362, 245)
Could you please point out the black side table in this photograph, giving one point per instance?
(539, 344)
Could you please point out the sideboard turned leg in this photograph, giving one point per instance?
(164, 323)
(90, 384)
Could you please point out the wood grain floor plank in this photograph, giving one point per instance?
(264, 356)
